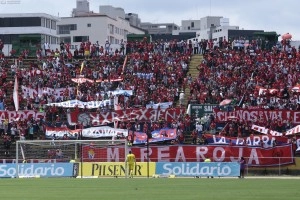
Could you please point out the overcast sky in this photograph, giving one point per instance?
(269, 15)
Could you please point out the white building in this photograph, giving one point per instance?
(95, 27)
(27, 31)
(207, 28)
(110, 24)
(159, 28)
(210, 27)
(190, 25)
(31, 31)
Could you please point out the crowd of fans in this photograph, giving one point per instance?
(252, 77)
(156, 72)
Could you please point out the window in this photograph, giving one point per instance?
(47, 38)
(89, 25)
(117, 30)
(80, 38)
(192, 24)
(54, 40)
(66, 39)
(43, 22)
(53, 25)
(65, 29)
(48, 23)
(125, 33)
(20, 22)
(111, 28)
(74, 46)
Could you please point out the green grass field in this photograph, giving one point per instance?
(149, 189)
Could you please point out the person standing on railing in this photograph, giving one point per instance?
(242, 167)
(7, 143)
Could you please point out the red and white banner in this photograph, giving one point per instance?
(81, 104)
(61, 131)
(296, 88)
(82, 80)
(293, 131)
(281, 155)
(109, 80)
(141, 114)
(94, 132)
(263, 91)
(256, 114)
(20, 115)
(225, 102)
(58, 92)
(265, 130)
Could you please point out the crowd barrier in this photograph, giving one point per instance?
(33, 169)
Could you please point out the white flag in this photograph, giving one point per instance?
(15, 94)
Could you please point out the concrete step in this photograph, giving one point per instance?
(194, 63)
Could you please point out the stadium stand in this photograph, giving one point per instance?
(156, 72)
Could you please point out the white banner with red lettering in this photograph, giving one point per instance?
(263, 91)
(141, 114)
(81, 80)
(265, 130)
(293, 131)
(163, 105)
(21, 115)
(256, 114)
(109, 80)
(57, 92)
(93, 132)
(255, 156)
(81, 104)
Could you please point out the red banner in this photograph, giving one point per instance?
(142, 114)
(20, 115)
(255, 156)
(256, 114)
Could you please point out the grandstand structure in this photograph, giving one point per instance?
(237, 75)
(34, 67)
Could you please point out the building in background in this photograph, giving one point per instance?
(217, 28)
(133, 19)
(27, 31)
(107, 25)
(82, 8)
(159, 28)
(31, 31)
(112, 24)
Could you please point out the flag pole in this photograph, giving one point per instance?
(81, 68)
(242, 99)
(15, 94)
